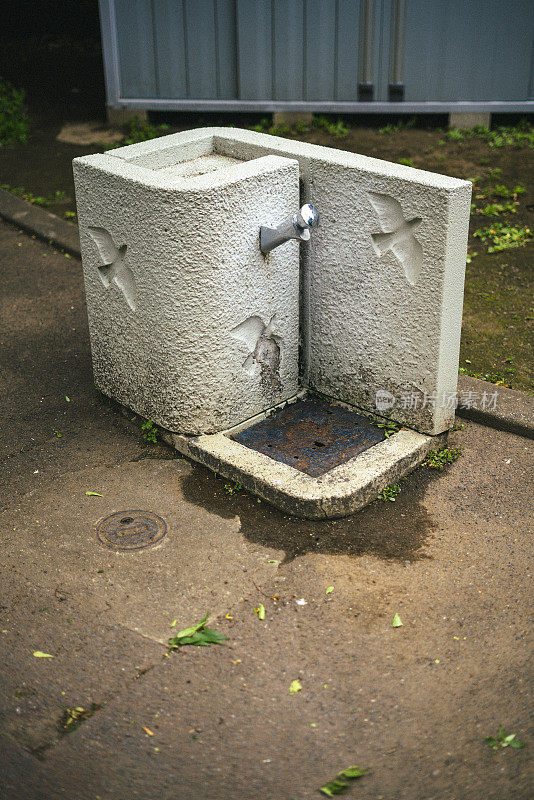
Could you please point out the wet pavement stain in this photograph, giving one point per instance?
(389, 530)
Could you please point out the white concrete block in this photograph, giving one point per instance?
(382, 277)
(191, 325)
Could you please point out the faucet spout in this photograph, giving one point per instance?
(297, 226)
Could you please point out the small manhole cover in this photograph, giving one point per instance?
(131, 530)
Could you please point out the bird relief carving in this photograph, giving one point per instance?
(397, 235)
(113, 268)
(263, 346)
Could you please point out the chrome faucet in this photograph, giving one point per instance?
(297, 226)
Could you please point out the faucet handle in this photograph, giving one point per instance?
(307, 217)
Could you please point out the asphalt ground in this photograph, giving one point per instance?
(413, 704)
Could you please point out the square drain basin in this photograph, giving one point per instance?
(312, 435)
(344, 460)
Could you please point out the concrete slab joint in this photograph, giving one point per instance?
(193, 327)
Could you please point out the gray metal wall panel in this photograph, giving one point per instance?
(298, 51)
(254, 37)
(170, 48)
(479, 50)
(348, 39)
(382, 52)
(321, 49)
(288, 39)
(135, 36)
(226, 49)
(199, 18)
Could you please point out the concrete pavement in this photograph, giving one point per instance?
(451, 555)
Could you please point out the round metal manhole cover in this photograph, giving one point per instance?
(131, 530)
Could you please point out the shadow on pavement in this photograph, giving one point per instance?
(390, 530)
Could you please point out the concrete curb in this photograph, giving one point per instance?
(512, 411)
(337, 493)
(40, 223)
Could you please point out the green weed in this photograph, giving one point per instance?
(496, 192)
(494, 209)
(390, 493)
(438, 459)
(336, 129)
(503, 237)
(281, 129)
(139, 132)
(37, 200)
(143, 131)
(390, 427)
(499, 190)
(504, 739)
(520, 135)
(13, 119)
(406, 161)
(456, 134)
(232, 488)
(150, 432)
(19, 191)
(492, 377)
(401, 125)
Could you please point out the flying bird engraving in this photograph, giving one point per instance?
(264, 348)
(113, 268)
(397, 235)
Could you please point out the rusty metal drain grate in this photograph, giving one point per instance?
(131, 530)
(312, 435)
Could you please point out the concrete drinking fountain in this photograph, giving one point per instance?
(264, 346)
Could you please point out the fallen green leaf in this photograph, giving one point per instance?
(295, 686)
(334, 787)
(339, 784)
(352, 773)
(397, 622)
(260, 611)
(329, 590)
(196, 635)
(67, 399)
(193, 628)
(173, 623)
(40, 654)
(94, 494)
